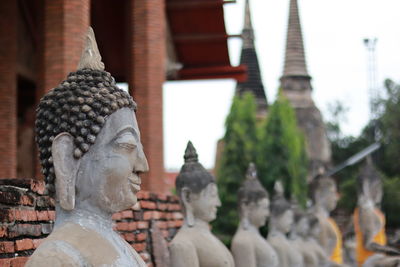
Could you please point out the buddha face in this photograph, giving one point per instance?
(285, 221)
(374, 191)
(108, 174)
(258, 212)
(204, 204)
(328, 197)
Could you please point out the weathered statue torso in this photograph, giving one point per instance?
(280, 224)
(91, 155)
(194, 244)
(330, 237)
(249, 248)
(369, 222)
(303, 238)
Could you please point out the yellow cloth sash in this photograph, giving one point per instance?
(362, 253)
(337, 254)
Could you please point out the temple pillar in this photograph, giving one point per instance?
(8, 89)
(64, 26)
(146, 31)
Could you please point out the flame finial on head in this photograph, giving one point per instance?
(190, 153)
(91, 58)
(251, 173)
(278, 188)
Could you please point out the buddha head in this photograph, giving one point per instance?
(325, 193)
(281, 211)
(89, 139)
(196, 189)
(369, 183)
(253, 200)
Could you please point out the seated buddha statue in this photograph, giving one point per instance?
(195, 245)
(91, 157)
(369, 222)
(279, 227)
(249, 248)
(325, 198)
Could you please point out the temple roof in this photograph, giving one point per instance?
(249, 58)
(295, 62)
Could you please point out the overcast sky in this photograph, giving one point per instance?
(333, 32)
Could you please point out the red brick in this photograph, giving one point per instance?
(162, 206)
(141, 237)
(3, 231)
(162, 197)
(6, 247)
(52, 215)
(139, 247)
(5, 262)
(127, 214)
(25, 215)
(117, 216)
(42, 215)
(7, 215)
(26, 200)
(174, 207)
(24, 229)
(38, 187)
(148, 205)
(19, 261)
(129, 237)
(132, 226)
(142, 225)
(143, 195)
(122, 226)
(24, 244)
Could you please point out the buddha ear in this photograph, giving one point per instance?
(65, 167)
(186, 198)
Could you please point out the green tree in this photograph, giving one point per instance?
(281, 151)
(238, 151)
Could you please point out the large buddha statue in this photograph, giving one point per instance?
(194, 245)
(249, 248)
(91, 156)
(369, 222)
(325, 198)
(279, 226)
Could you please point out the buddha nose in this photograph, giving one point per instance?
(142, 164)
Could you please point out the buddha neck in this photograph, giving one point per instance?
(246, 225)
(322, 211)
(198, 224)
(275, 231)
(93, 218)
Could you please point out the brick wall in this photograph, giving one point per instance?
(27, 215)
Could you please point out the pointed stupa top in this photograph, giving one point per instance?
(90, 58)
(251, 173)
(190, 153)
(248, 32)
(295, 61)
(249, 58)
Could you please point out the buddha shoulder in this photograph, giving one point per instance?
(74, 245)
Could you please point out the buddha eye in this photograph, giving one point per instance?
(126, 141)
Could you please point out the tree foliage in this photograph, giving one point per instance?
(281, 151)
(239, 150)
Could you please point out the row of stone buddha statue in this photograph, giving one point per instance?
(296, 238)
(91, 156)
